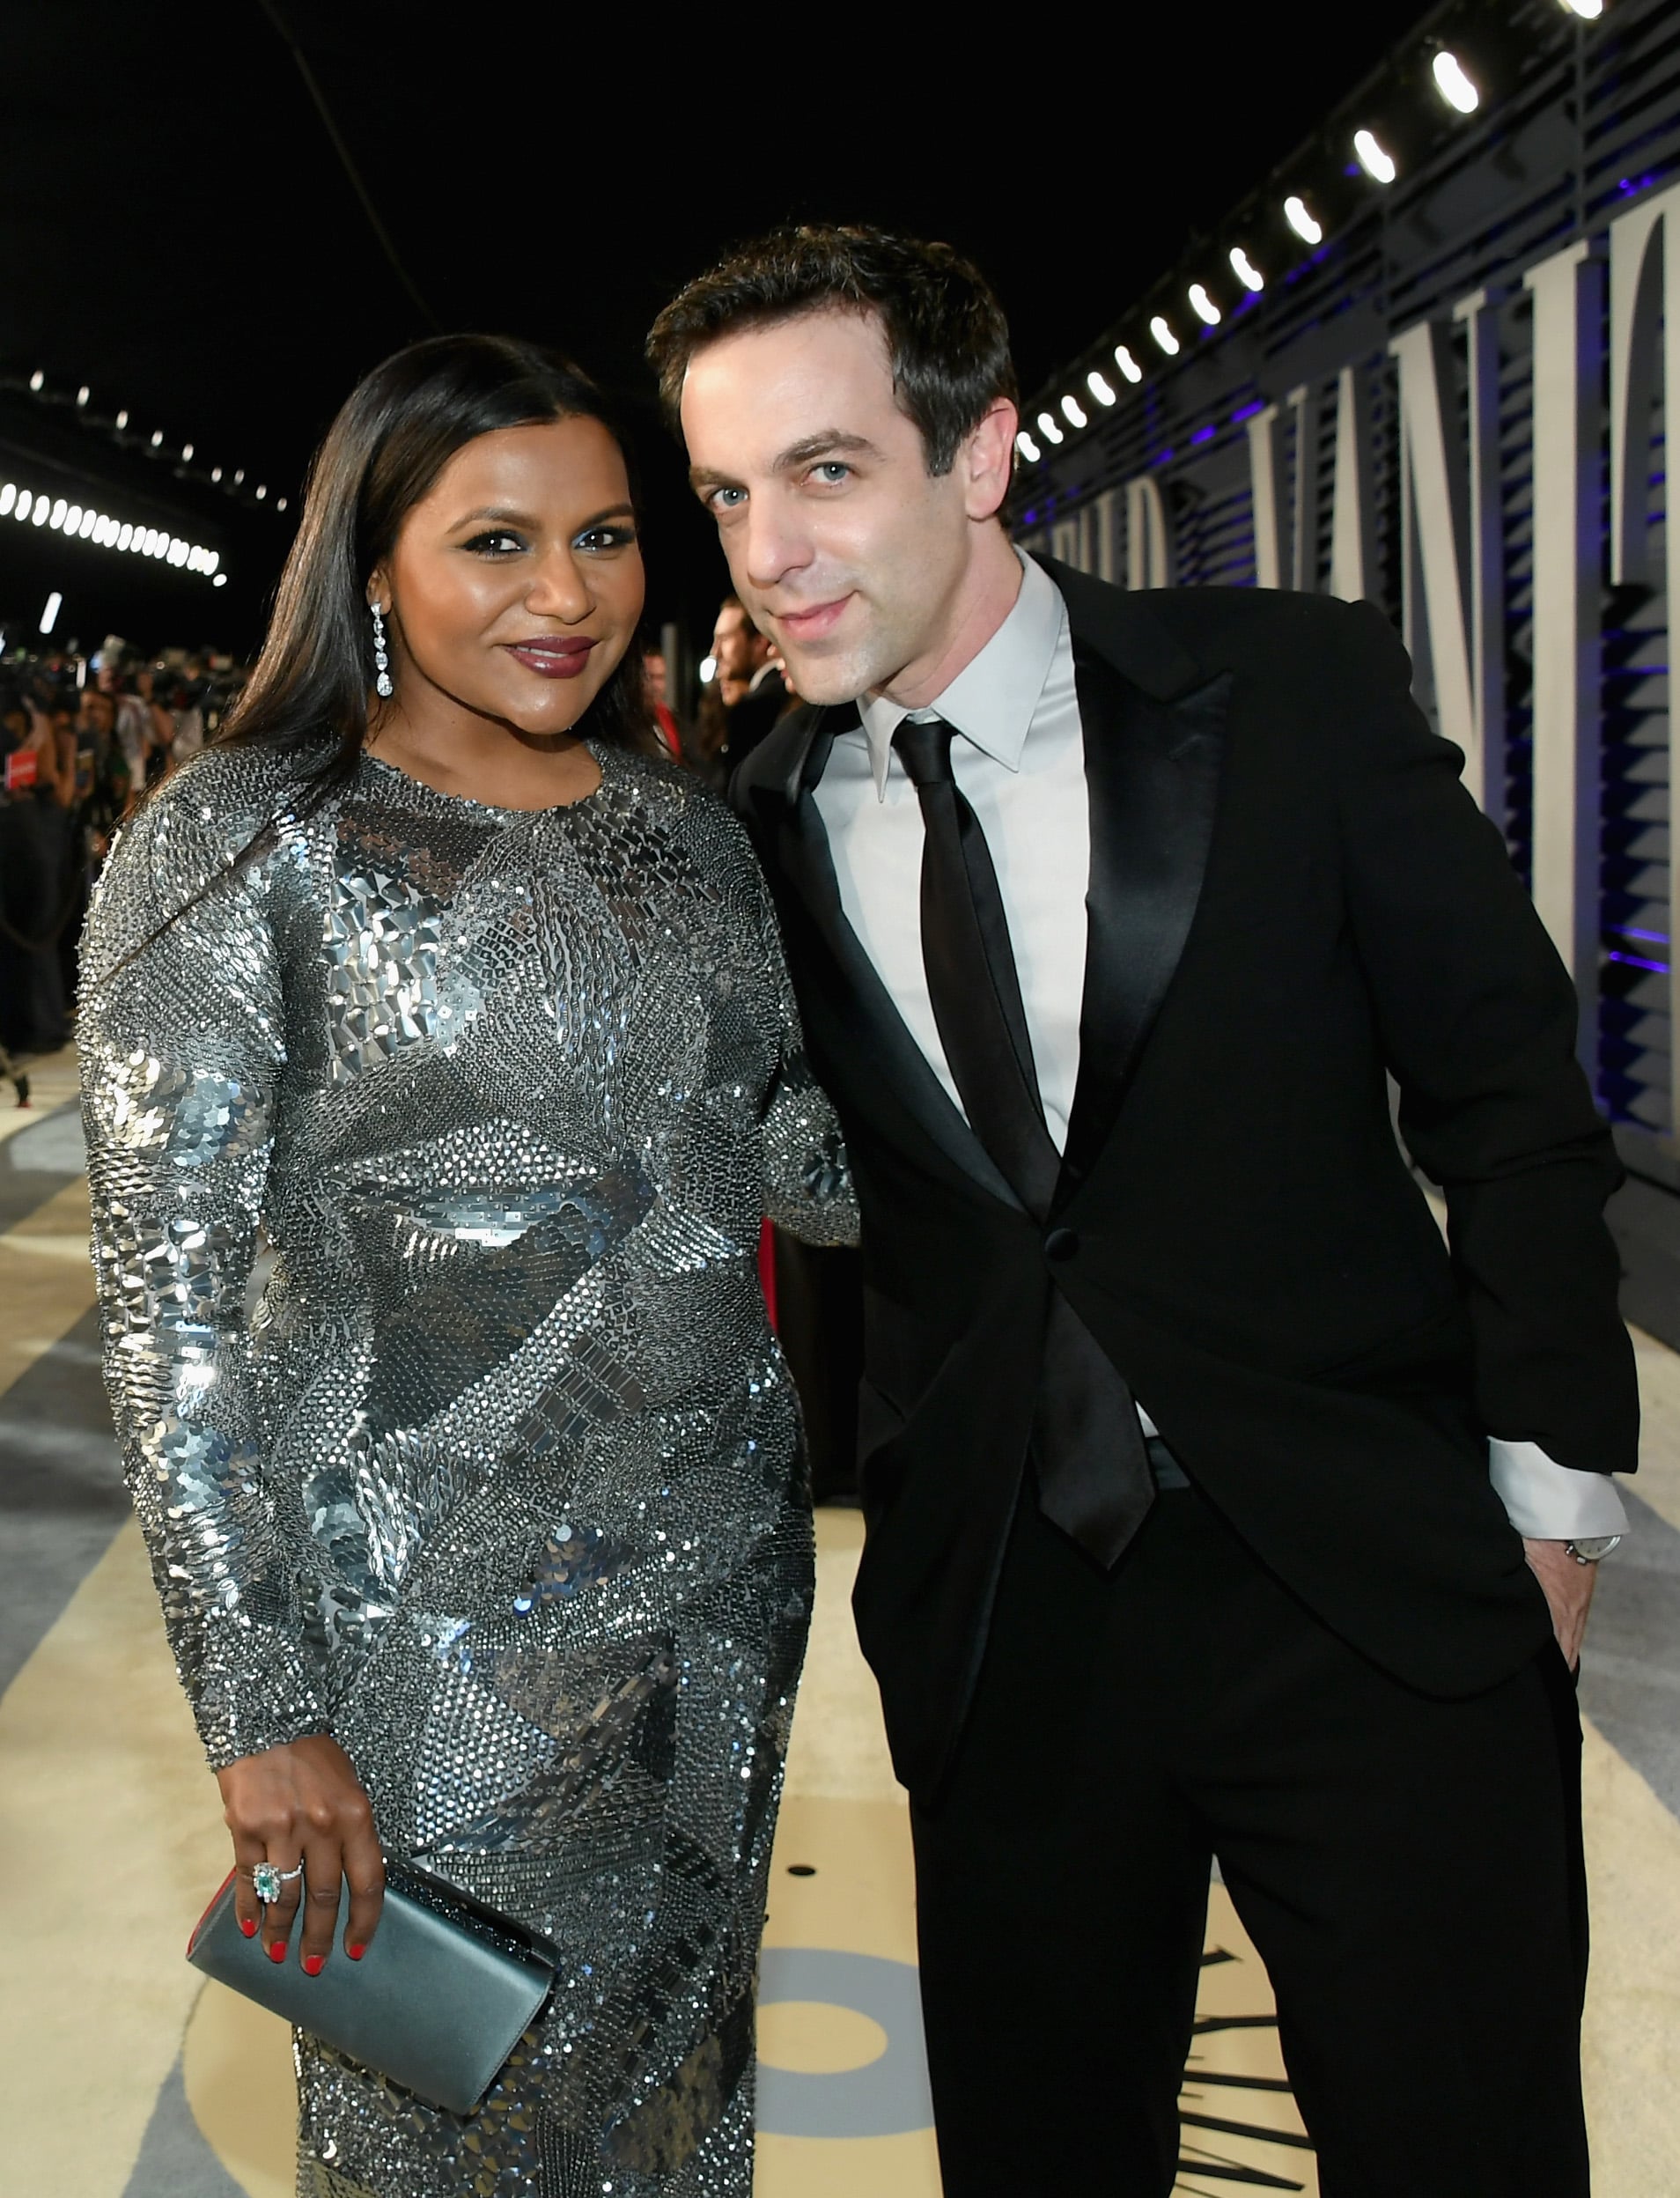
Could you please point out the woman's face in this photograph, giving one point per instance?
(515, 585)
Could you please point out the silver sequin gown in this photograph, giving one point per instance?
(489, 1463)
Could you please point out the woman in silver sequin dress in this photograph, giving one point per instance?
(481, 1525)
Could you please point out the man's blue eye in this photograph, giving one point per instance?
(833, 469)
(724, 499)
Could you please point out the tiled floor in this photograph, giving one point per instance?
(119, 2077)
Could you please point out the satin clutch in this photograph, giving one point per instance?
(441, 1997)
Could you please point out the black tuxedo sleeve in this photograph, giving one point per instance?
(1476, 1019)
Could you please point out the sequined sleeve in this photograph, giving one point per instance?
(807, 1184)
(181, 1038)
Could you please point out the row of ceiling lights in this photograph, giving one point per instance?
(218, 474)
(40, 508)
(1455, 86)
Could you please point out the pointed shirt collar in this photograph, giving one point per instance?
(992, 698)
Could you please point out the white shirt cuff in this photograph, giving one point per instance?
(1551, 1502)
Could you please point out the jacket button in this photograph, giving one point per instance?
(1061, 1243)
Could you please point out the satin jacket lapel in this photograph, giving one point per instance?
(1151, 769)
(869, 1025)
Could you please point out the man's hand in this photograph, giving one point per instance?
(1568, 1587)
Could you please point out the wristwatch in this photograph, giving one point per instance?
(1588, 1549)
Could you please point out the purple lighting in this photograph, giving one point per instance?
(1635, 962)
(1247, 412)
(1202, 435)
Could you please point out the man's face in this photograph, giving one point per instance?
(849, 554)
(738, 649)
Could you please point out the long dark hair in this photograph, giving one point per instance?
(393, 435)
(398, 428)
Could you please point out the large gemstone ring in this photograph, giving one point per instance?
(267, 1877)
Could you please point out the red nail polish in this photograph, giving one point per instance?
(277, 1951)
(248, 1926)
(356, 1953)
(313, 1964)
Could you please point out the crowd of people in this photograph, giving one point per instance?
(81, 741)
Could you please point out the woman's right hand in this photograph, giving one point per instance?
(302, 1803)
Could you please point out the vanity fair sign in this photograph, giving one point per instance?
(1456, 412)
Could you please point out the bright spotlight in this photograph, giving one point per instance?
(1302, 222)
(1048, 429)
(1127, 364)
(38, 380)
(8, 498)
(83, 394)
(220, 580)
(187, 452)
(121, 421)
(1073, 412)
(41, 513)
(73, 519)
(708, 670)
(1027, 447)
(1378, 165)
(1205, 308)
(1245, 270)
(1164, 337)
(56, 517)
(216, 473)
(49, 616)
(1591, 9)
(1101, 388)
(262, 492)
(156, 438)
(1454, 86)
(279, 503)
(239, 477)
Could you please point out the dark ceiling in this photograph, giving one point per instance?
(181, 237)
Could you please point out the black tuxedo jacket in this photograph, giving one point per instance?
(753, 719)
(1289, 894)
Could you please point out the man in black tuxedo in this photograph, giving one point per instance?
(1213, 1509)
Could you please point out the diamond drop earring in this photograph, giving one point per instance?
(381, 661)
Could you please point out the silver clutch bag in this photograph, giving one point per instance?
(441, 1997)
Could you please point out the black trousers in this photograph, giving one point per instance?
(1409, 1870)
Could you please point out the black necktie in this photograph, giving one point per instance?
(1094, 1476)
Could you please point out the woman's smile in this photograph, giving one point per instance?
(552, 655)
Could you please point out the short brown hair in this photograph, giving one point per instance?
(948, 340)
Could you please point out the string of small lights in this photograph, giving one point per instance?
(1460, 86)
(230, 480)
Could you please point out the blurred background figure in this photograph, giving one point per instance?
(748, 680)
(37, 797)
(655, 673)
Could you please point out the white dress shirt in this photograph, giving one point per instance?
(1020, 762)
